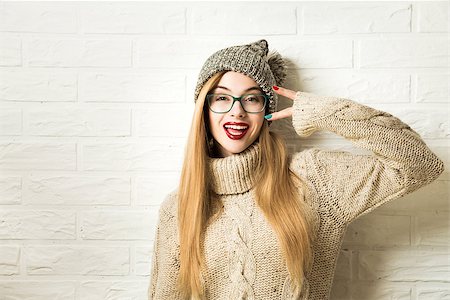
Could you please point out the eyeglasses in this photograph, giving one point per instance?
(251, 103)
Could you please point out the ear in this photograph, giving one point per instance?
(278, 66)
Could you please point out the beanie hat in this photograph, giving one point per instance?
(254, 60)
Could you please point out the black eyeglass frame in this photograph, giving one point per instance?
(266, 99)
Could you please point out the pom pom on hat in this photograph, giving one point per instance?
(277, 66)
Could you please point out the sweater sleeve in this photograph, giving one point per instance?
(165, 262)
(348, 184)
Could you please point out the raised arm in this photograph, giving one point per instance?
(355, 184)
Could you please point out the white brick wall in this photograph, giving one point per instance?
(84, 168)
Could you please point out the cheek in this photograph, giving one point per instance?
(258, 124)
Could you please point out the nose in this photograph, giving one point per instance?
(237, 109)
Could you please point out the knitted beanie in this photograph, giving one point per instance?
(254, 60)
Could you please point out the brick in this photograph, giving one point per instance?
(37, 290)
(405, 266)
(344, 266)
(432, 88)
(265, 19)
(437, 125)
(341, 290)
(429, 122)
(10, 121)
(100, 290)
(191, 83)
(10, 190)
(9, 261)
(356, 18)
(432, 197)
(10, 52)
(38, 17)
(77, 260)
(379, 231)
(179, 53)
(20, 225)
(119, 225)
(152, 87)
(143, 257)
(27, 156)
(74, 121)
(155, 122)
(432, 291)
(362, 87)
(318, 53)
(380, 290)
(158, 156)
(433, 229)
(424, 52)
(78, 53)
(152, 190)
(432, 16)
(142, 18)
(77, 190)
(42, 86)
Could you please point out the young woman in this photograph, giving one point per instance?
(250, 222)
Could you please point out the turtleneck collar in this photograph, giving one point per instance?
(231, 174)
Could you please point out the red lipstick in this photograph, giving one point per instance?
(236, 130)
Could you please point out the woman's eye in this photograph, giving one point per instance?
(251, 98)
(222, 98)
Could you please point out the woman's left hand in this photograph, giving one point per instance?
(287, 112)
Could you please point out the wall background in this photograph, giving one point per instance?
(95, 105)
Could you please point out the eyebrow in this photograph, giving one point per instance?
(249, 89)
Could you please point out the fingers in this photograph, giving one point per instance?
(284, 92)
(285, 113)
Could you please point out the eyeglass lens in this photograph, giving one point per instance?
(223, 103)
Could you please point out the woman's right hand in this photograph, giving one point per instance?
(285, 113)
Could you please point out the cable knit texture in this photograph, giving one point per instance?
(243, 257)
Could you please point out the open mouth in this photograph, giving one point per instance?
(235, 132)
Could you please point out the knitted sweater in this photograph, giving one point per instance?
(243, 257)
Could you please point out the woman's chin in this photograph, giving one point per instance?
(234, 147)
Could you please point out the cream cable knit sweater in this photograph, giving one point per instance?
(242, 254)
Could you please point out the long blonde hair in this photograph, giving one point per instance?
(276, 194)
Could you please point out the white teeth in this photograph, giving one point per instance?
(237, 127)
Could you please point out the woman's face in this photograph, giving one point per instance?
(231, 141)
